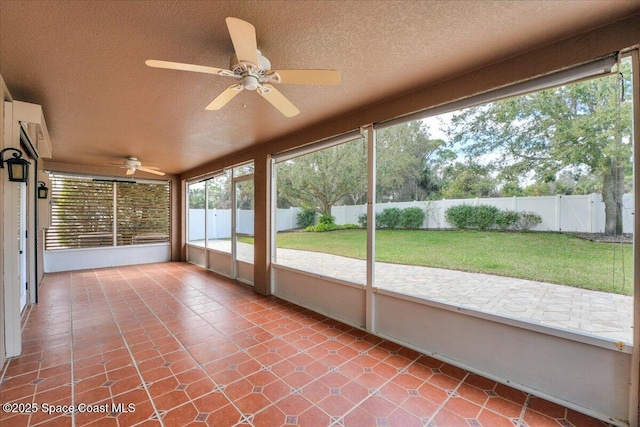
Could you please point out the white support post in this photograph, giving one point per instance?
(274, 219)
(206, 219)
(634, 399)
(371, 227)
(11, 274)
(114, 231)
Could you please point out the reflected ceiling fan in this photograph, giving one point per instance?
(132, 165)
(253, 71)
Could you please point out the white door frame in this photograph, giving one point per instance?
(23, 244)
(234, 221)
(11, 256)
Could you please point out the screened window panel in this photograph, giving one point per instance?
(142, 213)
(81, 213)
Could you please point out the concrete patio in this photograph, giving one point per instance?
(593, 313)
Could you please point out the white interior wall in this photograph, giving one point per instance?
(110, 256)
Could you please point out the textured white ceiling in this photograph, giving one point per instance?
(84, 63)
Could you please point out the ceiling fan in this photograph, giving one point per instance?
(253, 71)
(132, 165)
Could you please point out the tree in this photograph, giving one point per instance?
(579, 126)
(323, 178)
(196, 196)
(463, 181)
(405, 155)
(219, 191)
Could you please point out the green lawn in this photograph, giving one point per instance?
(548, 257)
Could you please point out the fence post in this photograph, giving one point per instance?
(441, 214)
(214, 220)
(590, 216)
(514, 203)
(558, 213)
(291, 224)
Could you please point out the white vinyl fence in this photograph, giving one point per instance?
(583, 214)
(219, 222)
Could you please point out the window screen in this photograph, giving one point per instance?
(85, 213)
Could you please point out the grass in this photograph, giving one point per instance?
(547, 257)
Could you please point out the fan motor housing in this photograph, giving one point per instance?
(132, 162)
(241, 68)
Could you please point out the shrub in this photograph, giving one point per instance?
(321, 228)
(460, 216)
(481, 217)
(349, 227)
(507, 219)
(389, 218)
(485, 216)
(528, 220)
(412, 217)
(327, 219)
(306, 217)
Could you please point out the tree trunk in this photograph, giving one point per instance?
(612, 191)
(326, 208)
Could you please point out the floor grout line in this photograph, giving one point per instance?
(453, 393)
(411, 362)
(243, 417)
(239, 350)
(177, 340)
(183, 347)
(521, 422)
(24, 318)
(152, 292)
(133, 359)
(316, 379)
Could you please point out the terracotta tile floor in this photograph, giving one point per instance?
(182, 346)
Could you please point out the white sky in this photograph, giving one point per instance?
(436, 124)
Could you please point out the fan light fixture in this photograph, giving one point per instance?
(17, 167)
(252, 71)
(43, 190)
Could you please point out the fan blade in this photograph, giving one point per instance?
(308, 77)
(130, 171)
(185, 67)
(226, 96)
(150, 170)
(243, 37)
(278, 100)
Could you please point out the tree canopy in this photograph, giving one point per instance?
(582, 128)
(324, 178)
(338, 175)
(405, 156)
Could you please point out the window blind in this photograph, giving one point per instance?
(87, 213)
(81, 213)
(142, 213)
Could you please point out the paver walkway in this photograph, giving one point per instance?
(587, 312)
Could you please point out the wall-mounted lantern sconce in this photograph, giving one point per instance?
(17, 166)
(43, 191)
